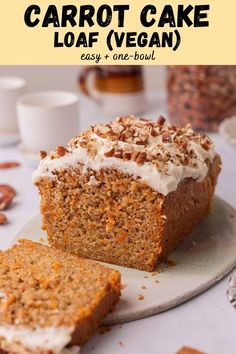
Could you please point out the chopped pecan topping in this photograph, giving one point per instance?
(141, 158)
(61, 151)
(161, 120)
(82, 143)
(122, 137)
(118, 154)
(127, 155)
(135, 139)
(109, 153)
(9, 164)
(134, 155)
(42, 155)
(205, 145)
(154, 132)
(166, 137)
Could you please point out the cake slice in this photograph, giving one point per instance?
(127, 192)
(50, 299)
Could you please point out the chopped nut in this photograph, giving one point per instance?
(61, 151)
(42, 154)
(109, 153)
(82, 143)
(161, 120)
(141, 158)
(166, 137)
(205, 145)
(153, 132)
(121, 137)
(127, 155)
(118, 154)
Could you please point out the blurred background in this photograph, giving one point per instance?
(66, 77)
(44, 106)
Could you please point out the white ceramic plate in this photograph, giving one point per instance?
(202, 260)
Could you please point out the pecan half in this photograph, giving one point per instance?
(3, 219)
(7, 193)
(166, 137)
(9, 164)
(61, 151)
(109, 153)
(127, 155)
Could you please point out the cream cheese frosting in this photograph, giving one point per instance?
(158, 153)
(54, 339)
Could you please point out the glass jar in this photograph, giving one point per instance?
(202, 95)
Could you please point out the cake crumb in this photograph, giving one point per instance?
(121, 344)
(104, 329)
(154, 273)
(143, 287)
(146, 277)
(141, 297)
(171, 263)
(157, 281)
(160, 270)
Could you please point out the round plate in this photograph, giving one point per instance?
(201, 260)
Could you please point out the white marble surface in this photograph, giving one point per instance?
(206, 322)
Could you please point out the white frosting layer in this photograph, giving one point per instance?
(163, 180)
(54, 339)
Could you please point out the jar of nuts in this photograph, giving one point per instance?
(202, 95)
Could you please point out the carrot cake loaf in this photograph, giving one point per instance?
(127, 192)
(50, 299)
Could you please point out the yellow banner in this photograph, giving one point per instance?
(118, 32)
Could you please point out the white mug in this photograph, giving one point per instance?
(11, 88)
(48, 119)
(117, 89)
